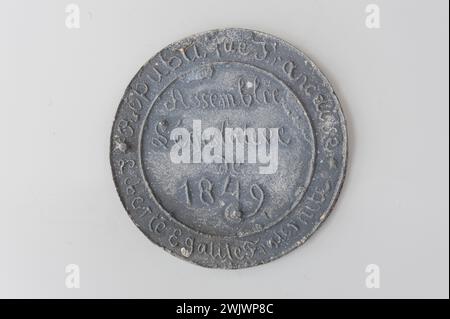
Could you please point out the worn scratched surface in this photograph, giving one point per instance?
(229, 215)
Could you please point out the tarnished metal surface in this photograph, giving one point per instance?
(229, 215)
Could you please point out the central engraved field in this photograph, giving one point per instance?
(227, 199)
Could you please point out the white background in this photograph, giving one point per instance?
(60, 90)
